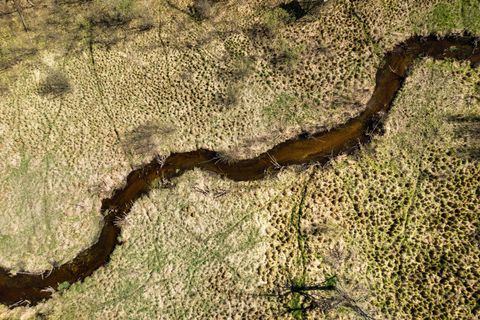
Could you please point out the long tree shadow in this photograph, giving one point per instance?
(300, 300)
(298, 9)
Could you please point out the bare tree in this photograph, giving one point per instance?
(300, 299)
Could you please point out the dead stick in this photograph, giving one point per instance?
(19, 10)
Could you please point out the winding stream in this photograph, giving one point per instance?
(29, 289)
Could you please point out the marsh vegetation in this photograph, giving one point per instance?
(396, 223)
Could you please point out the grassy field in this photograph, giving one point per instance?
(395, 229)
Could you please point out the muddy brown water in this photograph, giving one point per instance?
(29, 289)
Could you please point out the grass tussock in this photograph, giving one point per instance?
(146, 138)
(54, 84)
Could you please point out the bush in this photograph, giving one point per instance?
(242, 67)
(294, 8)
(54, 84)
(145, 138)
(271, 22)
(286, 55)
(201, 9)
(112, 13)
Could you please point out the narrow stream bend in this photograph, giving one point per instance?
(29, 289)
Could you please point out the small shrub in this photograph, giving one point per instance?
(202, 9)
(294, 8)
(276, 19)
(286, 55)
(230, 97)
(113, 13)
(63, 286)
(271, 22)
(146, 22)
(54, 84)
(145, 138)
(242, 67)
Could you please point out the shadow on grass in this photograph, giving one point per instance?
(468, 128)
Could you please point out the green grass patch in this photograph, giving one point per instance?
(287, 110)
(454, 16)
(63, 286)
